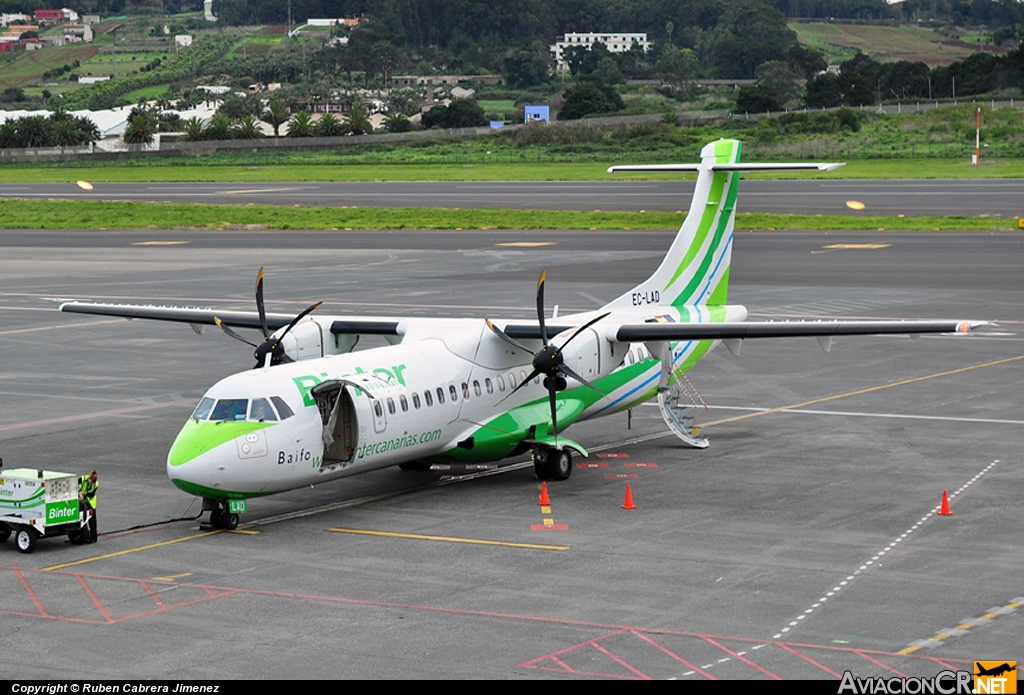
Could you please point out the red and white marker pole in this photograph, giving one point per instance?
(977, 140)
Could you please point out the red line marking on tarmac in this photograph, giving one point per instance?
(90, 416)
(675, 656)
(31, 594)
(737, 656)
(152, 594)
(641, 465)
(613, 456)
(95, 598)
(940, 662)
(638, 672)
(552, 527)
(620, 476)
(878, 663)
(810, 660)
(591, 465)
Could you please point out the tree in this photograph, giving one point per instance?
(301, 125)
(779, 82)
(194, 129)
(247, 129)
(276, 115)
(584, 99)
(139, 131)
(397, 123)
(465, 113)
(357, 122)
(219, 128)
(329, 126)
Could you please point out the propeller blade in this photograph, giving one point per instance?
(297, 319)
(524, 382)
(504, 336)
(540, 307)
(568, 372)
(260, 307)
(231, 332)
(584, 327)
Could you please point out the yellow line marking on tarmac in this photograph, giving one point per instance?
(129, 551)
(527, 244)
(857, 246)
(157, 243)
(859, 392)
(448, 539)
(172, 577)
(258, 190)
(80, 324)
(245, 532)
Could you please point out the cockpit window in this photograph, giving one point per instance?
(230, 409)
(282, 407)
(261, 411)
(202, 410)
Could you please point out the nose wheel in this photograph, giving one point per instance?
(550, 463)
(221, 518)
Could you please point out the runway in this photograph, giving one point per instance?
(804, 542)
(966, 197)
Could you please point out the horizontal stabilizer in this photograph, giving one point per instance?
(732, 166)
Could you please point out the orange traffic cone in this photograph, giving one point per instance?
(544, 501)
(629, 498)
(945, 505)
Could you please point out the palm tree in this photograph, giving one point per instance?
(329, 126)
(194, 129)
(65, 133)
(219, 127)
(89, 131)
(397, 123)
(248, 129)
(139, 131)
(301, 125)
(276, 115)
(357, 121)
(33, 131)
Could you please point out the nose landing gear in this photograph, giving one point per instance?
(221, 516)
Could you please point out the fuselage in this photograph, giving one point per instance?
(443, 394)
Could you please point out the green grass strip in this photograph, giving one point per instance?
(186, 170)
(57, 214)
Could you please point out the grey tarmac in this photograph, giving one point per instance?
(802, 543)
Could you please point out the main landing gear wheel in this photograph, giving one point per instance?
(552, 464)
(26, 539)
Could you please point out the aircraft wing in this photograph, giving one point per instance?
(190, 315)
(238, 319)
(629, 333)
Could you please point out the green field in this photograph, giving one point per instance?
(56, 214)
(839, 42)
(23, 67)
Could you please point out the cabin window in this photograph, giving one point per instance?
(282, 408)
(465, 390)
(416, 400)
(202, 410)
(404, 403)
(501, 383)
(391, 405)
(230, 409)
(440, 395)
(428, 398)
(377, 409)
(512, 379)
(454, 394)
(261, 411)
(489, 386)
(522, 375)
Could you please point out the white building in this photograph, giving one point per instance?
(615, 43)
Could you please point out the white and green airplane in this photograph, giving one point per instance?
(471, 390)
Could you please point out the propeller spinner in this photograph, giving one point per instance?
(271, 345)
(549, 361)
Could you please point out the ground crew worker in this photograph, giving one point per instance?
(87, 486)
